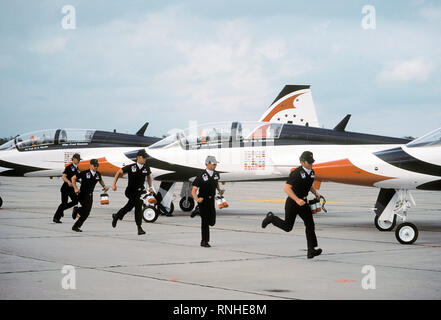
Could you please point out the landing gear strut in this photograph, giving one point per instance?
(390, 204)
(165, 205)
(163, 210)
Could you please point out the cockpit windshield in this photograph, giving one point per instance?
(8, 145)
(35, 139)
(429, 140)
(75, 136)
(45, 138)
(212, 135)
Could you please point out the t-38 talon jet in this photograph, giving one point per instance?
(259, 151)
(44, 153)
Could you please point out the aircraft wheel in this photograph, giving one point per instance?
(406, 233)
(186, 204)
(385, 225)
(150, 214)
(1, 202)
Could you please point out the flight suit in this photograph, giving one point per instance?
(67, 192)
(301, 183)
(85, 197)
(207, 189)
(135, 187)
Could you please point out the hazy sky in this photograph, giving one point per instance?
(171, 62)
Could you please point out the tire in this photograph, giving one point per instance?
(1, 202)
(406, 233)
(186, 204)
(150, 214)
(385, 225)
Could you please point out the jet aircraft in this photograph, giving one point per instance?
(268, 150)
(259, 151)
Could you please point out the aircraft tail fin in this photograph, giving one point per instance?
(341, 126)
(142, 130)
(294, 105)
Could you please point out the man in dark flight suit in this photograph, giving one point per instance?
(89, 179)
(67, 190)
(207, 183)
(297, 188)
(138, 172)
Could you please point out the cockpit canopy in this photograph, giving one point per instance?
(214, 134)
(431, 139)
(43, 139)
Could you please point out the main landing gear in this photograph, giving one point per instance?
(391, 204)
(406, 233)
(187, 202)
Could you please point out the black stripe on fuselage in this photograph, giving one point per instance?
(129, 140)
(17, 169)
(433, 185)
(295, 134)
(399, 158)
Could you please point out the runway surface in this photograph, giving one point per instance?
(244, 262)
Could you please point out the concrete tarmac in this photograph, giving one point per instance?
(244, 262)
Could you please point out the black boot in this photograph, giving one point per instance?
(314, 252)
(267, 220)
(114, 220)
(205, 244)
(140, 231)
(195, 212)
(74, 212)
